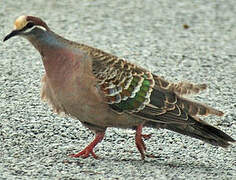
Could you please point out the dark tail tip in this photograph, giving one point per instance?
(205, 132)
(213, 135)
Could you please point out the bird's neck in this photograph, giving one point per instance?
(57, 57)
(43, 40)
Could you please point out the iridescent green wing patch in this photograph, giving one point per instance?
(138, 95)
(126, 87)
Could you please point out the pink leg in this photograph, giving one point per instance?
(139, 141)
(89, 149)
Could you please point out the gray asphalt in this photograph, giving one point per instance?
(35, 143)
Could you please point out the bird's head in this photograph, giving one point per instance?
(24, 24)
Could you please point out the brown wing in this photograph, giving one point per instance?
(175, 90)
(128, 88)
(182, 88)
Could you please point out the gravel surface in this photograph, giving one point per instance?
(180, 40)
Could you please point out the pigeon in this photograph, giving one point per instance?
(102, 91)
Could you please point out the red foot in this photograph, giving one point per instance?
(89, 149)
(139, 141)
(146, 136)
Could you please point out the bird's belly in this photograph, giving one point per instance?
(100, 115)
(84, 106)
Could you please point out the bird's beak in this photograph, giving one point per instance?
(13, 33)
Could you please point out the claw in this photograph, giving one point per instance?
(146, 136)
(89, 149)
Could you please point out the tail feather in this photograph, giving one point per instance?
(201, 130)
(195, 108)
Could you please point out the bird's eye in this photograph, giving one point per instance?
(28, 26)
